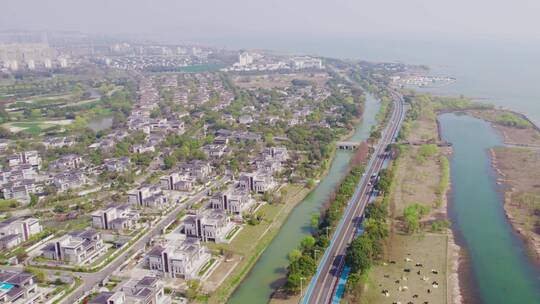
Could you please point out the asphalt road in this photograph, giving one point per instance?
(90, 280)
(323, 284)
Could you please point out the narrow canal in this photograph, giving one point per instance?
(501, 269)
(272, 265)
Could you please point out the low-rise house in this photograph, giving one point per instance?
(233, 200)
(209, 225)
(245, 119)
(215, 151)
(19, 190)
(121, 164)
(69, 180)
(115, 218)
(256, 182)
(143, 148)
(268, 166)
(276, 153)
(17, 173)
(148, 196)
(27, 157)
(58, 142)
(18, 287)
(148, 290)
(176, 181)
(76, 247)
(178, 261)
(14, 231)
(67, 162)
(109, 298)
(197, 169)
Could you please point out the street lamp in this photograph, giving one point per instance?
(302, 287)
(327, 234)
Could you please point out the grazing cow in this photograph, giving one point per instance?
(426, 302)
(419, 265)
(397, 282)
(407, 270)
(386, 276)
(392, 262)
(435, 284)
(415, 296)
(434, 271)
(418, 272)
(429, 291)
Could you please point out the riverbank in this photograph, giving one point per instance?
(518, 183)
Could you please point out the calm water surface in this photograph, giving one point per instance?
(501, 268)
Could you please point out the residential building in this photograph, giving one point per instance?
(143, 148)
(148, 196)
(67, 162)
(19, 288)
(148, 290)
(232, 200)
(197, 169)
(27, 157)
(109, 298)
(14, 231)
(69, 180)
(277, 153)
(256, 182)
(121, 164)
(76, 247)
(209, 225)
(115, 218)
(176, 181)
(182, 260)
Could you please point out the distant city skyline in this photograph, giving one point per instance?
(239, 19)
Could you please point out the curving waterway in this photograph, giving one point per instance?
(502, 272)
(271, 268)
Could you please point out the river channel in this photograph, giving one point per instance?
(265, 276)
(501, 270)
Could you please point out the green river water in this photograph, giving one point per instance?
(501, 270)
(272, 265)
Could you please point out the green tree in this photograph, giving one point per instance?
(360, 253)
(294, 255)
(412, 215)
(308, 242)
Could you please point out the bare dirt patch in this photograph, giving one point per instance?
(519, 170)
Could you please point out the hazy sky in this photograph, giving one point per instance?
(185, 19)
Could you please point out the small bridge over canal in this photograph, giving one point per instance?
(348, 145)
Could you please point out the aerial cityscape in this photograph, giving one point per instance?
(141, 168)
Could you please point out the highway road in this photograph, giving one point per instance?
(323, 285)
(90, 280)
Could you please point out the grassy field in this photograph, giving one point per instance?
(249, 244)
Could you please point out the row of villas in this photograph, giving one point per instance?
(22, 177)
